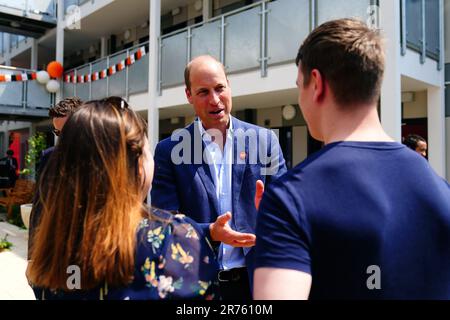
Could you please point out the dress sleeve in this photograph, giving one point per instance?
(187, 267)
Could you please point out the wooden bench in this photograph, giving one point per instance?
(21, 193)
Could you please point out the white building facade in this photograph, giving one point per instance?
(257, 41)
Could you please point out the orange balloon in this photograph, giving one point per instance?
(55, 69)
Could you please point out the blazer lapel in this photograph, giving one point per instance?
(238, 167)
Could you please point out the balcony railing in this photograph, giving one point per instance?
(421, 29)
(15, 40)
(253, 37)
(131, 80)
(68, 3)
(24, 97)
(45, 8)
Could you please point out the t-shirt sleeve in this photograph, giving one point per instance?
(282, 239)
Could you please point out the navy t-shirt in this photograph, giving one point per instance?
(360, 215)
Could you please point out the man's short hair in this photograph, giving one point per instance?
(187, 71)
(10, 152)
(65, 107)
(349, 57)
(412, 140)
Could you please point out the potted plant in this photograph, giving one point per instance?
(25, 213)
(5, 244)
(36, 144)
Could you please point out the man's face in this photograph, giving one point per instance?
(58, 123)
(210, 94)
(421, 148)
(307, 105)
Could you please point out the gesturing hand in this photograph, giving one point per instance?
(221, 231)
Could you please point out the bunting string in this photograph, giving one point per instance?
(102, 74)
(71, 78)
(18, 77)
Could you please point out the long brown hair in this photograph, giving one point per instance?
(91, 199)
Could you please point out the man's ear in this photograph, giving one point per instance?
(188, 95)
(319, 85)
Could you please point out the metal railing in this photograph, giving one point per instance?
(421, 28)
(45, 8)
(133, 79)
(16, 40)
(28, 95)
(68, 3)
(252, 37)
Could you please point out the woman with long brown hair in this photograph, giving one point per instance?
(96, 239)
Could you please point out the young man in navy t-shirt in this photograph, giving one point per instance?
(365, 217)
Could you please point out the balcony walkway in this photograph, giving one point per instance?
(29, 19)
(22, 114)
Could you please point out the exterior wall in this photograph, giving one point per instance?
(299, 144)
(281, 77)
(447, 60)
(89, 7)
(14, 51)
(391, 88)
(447, 30)
(416, 108)
(447, 121)
(269, 117)
(268, 94)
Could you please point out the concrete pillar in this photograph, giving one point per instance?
(155, 31)
(447, 139)
(391, 91)
(32, 129)
(7, 43)
(207, 10)
(442, 158)
(6, 137)
(436, 129)
(60, 41)
(153, 72)
(34, 54)
(103, 47)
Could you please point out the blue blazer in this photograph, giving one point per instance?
(188, 186)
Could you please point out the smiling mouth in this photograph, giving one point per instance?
(216, 112)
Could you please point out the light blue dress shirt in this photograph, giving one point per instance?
(220, 165)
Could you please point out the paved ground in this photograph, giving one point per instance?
(13, 283)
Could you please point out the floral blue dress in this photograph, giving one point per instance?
(174, 260)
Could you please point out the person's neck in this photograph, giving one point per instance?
(355, 123)
(218, 134)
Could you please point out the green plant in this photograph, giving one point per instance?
(36, 144)
(16, 217)
(5, 244)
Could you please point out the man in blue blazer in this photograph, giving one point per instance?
(212, 169)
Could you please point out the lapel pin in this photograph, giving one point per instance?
(243, 155)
